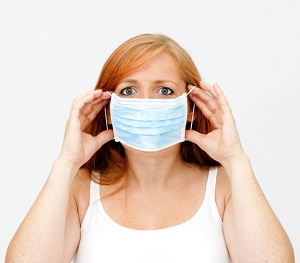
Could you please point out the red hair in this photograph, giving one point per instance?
(110, 160)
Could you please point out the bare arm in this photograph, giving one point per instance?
(251, 229)
(257, 233)
(40, 237)
(50, 230)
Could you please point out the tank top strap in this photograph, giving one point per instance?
(94, 192)
(211, 183)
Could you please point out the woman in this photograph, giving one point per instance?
(174, 185)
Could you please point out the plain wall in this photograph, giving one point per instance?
(52, 51)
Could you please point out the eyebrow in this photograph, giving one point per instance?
(156, 81)
(129, 81)
(165, 81)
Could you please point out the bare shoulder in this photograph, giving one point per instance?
(223, 190)
(80, 191)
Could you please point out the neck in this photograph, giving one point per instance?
(154, 171)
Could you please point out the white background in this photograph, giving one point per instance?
(52, 51)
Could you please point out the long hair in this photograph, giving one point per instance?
(110, 160)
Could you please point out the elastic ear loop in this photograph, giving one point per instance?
(106, 114)
(191, 126)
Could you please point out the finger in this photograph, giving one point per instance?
(202, 107)
(216, 120)
(205, 97)
(87, 97)
(208, 88)
(82, 100)
(221, 96)
(224, 105)
(96, 109)
(85, 120)
(90, 110)
(88, 107)
(227, 116)
(190, 87)
(208, 106)
(84, 103)
(213, 117)
(77, 119)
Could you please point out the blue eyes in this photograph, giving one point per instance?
(165, 91)
(128, 91)
(162, 91)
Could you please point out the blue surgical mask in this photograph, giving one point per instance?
(149, 124)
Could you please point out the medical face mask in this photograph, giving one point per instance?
(149, 124)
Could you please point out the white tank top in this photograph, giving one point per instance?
(200, 239)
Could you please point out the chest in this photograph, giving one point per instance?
(179, 228)
(191, 242)
(154, 210)
(194, 241)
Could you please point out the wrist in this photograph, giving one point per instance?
(66, 167)
(239, 161)
(68, 161)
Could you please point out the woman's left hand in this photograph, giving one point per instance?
(223, 143)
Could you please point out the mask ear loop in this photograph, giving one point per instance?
(191, 126)
(106, 114)
(105, 118)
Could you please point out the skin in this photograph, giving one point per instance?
(159, 184)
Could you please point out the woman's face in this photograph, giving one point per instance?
(157, 79)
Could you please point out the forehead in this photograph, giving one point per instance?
(162, 66)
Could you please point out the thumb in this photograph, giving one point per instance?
(104, 137)
(195, 137)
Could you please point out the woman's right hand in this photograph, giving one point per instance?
(78, 147)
